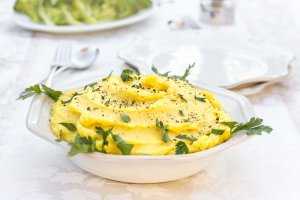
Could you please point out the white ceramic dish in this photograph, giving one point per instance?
(226, 64)
(141, 169)
(24, 22)
(259, 87)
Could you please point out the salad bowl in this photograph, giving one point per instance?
(142, 168)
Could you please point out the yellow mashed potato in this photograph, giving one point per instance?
(188, 114)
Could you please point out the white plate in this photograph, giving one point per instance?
(25, 22)
(141, 169)
(226, 64)
(259, 87)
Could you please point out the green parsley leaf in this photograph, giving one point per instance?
(231, 125)
(90, 85)
(183, 77)
(36, 89)
(30, 91)
(104, 135)
(69, 101)
(122, 145)
(186, 73)
(181, 113)
(82, 145)
(125, 118)
(181, 148)
(200, 99)
(154, 69)
(164, 129)
(106, 79)
(69, 126)
(185, 137)
(217, 131)
(125, 76)
(253, 127)
(53, 94)
(182, 98)
(106, 103)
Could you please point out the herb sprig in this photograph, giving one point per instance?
(106, 78)
(182, 98)
(253, 127)
(164, 129)
(166, 74)
(82, 145)
(90, 85)
(122, 145)
(185, 137)
(181, 113)
(70, 126)
(104, 134)
(126, 75)
(125, 118)
(181, 148)
(37, 89)
(201, 99)
(69, 101)
(217, 131)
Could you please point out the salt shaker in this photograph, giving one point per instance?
(217, 12)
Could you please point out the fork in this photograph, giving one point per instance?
(61, 59)
(190, 22)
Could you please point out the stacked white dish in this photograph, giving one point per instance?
(242, 67)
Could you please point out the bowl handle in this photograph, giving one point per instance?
(34, 118)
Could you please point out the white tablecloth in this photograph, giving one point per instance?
(266, 167)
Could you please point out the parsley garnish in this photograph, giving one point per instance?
(125, 118)
(69, 101)
(53, 94)
(186, 73)
(181, 113)
(106, 79)
(217, 131)
(122, 145)
(30, 91)
(106, 103)
(90, 85)
(104, 135)
(185, 137)
(164, 129)
(82, 145)
(183, 77)
(154, 69)
(36, 89)
(182, 98)
(253, 127)
(125, 76)
(181, 148)
(200, 99)
(69, 126)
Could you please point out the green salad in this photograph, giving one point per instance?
(78, 12)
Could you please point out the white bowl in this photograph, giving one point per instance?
(143, 169)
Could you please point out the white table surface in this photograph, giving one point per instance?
(267, 167)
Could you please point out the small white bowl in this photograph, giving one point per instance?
(143, 169)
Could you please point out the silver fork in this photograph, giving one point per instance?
(61, 59)
(190, 22)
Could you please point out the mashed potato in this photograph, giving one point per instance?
(151, 113)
